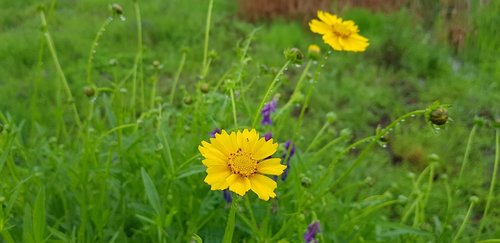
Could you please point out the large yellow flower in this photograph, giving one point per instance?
(339, 34)
(239, 160)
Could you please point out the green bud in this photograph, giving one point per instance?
(331, 117)
(116, 9)
(204, 87)
(474, 199)
(187, 100)
(305, 181)
(157, 65)
(439, 116)
(496, 122)
(479, 121)
(89, 91)
(294, 55)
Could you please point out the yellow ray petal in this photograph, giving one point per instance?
(263, 186)
(238, 184)
(216, 177)
(319, 27)
(209, 151)
(328, 18)
(212, 162)
(333, 41)
(271, 166)
(263, 149)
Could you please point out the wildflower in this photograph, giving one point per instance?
(313, 52)
(238, 161)
(215, 131)
(339, 34)
(284, 156)
(268, 136)
(268, 108)
(312, 230)
(227, 196)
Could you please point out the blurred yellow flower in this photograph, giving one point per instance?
(339, 34)
(239, 160)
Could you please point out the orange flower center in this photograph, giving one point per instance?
(242, 163)
(341, 30)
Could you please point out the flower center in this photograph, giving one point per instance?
(242, 163)
(341, 30)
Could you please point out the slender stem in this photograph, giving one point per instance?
(137, 73)
(493, 181)
(228, 233)
(320, 132)
(207, 35)
(52, 49)
(153, 90)
(467, 151)
(268, 92)
(298, 86)
(464, 222)
(234, 108)
(177, 76)
(92, 52)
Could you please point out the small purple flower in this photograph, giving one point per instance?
(312, 230)
(215, 131)
(227, 196)
(290, 155)
(268, 108)
(268, 136)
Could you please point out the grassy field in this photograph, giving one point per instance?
(102, 114)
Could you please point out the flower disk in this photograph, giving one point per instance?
(238, 161)
(339, 34)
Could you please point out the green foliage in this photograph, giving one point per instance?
(131, 171)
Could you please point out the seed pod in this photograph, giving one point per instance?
(439, 116)
(89, 91)
(204, 88)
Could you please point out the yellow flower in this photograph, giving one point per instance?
(339, 34)
(239, 160)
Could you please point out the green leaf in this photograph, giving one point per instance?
(39, 217)
(151, 192)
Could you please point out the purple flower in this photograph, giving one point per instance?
(227, 196)
(268, 108)
(284, 156)
(312, 230)
(215, 131)
(268, 136)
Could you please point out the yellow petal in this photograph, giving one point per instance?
(263, 186)
(271, 166)
(263, 149)
(238, 184)
(210, 152)
(328, 18)
(216, 177)
(212, 162)
(333, 41)
(319, 27)
(247, 139)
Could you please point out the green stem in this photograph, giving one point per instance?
(320, 132)
(50, 44)
(207, 35)
(153, 90)
(268, 92)
(493, 181)
(234, 108)
(228, 233)
(177, 76)
(464, 222)
(137, 73)
(467, 151)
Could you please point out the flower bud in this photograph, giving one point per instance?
(439, 116)
(331, 117)
(294, 55)
(89, 91)
(479, 121)
(313, 52)
(187, 100)
(474, 199)
(496, 122)
(204, 87)
(305, 181)
(116, 9)
(157, 65)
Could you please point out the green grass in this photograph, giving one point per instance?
(131, 171)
